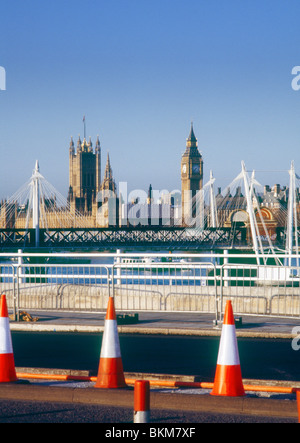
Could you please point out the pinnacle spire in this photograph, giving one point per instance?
(191, 142)
(108, 180)
(108, 170)
(192, 137)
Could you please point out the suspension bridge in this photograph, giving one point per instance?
(37, 215)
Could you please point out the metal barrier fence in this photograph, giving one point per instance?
(150, 282)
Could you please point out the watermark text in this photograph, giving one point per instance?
(137, 208)
(2, 79)
(296, 79)
(296, 340)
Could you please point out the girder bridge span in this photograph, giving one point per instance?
(118, 237)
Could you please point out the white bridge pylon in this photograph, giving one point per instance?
(292, 219)
(35, 184)
(39, 201)
(41, 192)
(249, 184)
(254, 214)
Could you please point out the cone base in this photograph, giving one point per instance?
(228, 381)
(7, 368)
(110, 374)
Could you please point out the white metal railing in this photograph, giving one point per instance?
(177, 282)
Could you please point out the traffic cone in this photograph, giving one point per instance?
(7, 362)
(228, 377)
(110, 371)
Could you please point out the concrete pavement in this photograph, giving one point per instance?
(159, 323)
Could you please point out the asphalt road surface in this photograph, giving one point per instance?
(268, 359)
(187, 355)
(38, 412)
(181, 355)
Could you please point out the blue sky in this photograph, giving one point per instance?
(140, 71)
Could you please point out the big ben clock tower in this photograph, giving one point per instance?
(191, 178)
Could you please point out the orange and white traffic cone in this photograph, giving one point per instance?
(228, 377)
(110, 371)
(298, 403)
(7, 362)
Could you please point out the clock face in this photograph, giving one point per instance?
(184, 169)
(196, 169)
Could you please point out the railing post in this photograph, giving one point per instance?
(226, 273)
(109, 280)
(17, 295)
(118, 261)
(14, 279)
(216, 295)
(20, 261)
(219, 299)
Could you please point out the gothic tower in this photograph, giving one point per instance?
(191, 178)
(108, 183)
(84, 175)
(108, 202)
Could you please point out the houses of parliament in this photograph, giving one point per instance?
(91, 196)
(94, 200)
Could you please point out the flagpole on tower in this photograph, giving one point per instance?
(84, 128)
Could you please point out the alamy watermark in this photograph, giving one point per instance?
(296, 79)
(2, 79)
(138, 208)
(296, 339)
